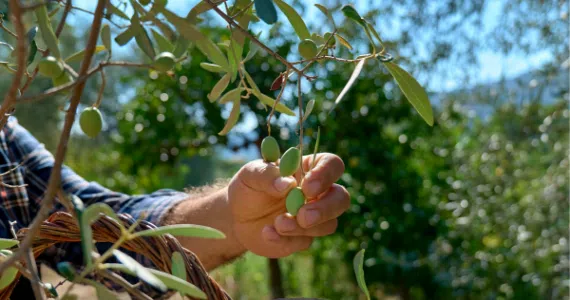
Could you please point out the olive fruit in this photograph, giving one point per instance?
(164, 61)
(144, 2)
(295, 199)
(270, 149)
(332, 42)
(50, 290)
(66, 270)
(61, 80)
(290, 162)
(91, 121)
(308, 49)
(50, 67)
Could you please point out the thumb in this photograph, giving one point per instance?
(265, 178)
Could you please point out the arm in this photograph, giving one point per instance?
(250, 210)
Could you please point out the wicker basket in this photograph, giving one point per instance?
(61, 227)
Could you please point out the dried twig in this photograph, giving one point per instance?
(136, 293)
(55, 177)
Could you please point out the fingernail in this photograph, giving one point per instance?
(282, 183)
(312, 216)
(270, 234)
(286, 224)
(313, 188)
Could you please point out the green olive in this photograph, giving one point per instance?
(50, 290)
(308, 49)
(270, 149)
(294, 201)
(66, 270)
(332, 42)
(290, 162)
(144, 2)
(50, 67)
(164, 61)
(91, 121)
(61, 80)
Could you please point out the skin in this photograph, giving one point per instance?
(250, 210)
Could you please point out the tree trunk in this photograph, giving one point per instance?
(275, 279)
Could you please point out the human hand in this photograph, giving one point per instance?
(257, 193)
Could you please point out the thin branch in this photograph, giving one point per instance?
(136, 293)
(13, 186)
(55, 177)
(300, 103)
(283, 85)
(10, 97)
(92, 13)
(36, 5)
(255, 40)
(10, 32)
(101, 89)
(36, 281)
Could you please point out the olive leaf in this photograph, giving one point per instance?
(124, 37)
(266, 11)
(374, 32)
(32, 53)
(219, 88)
(178, 266)
(186, 230)
(78, 56)
(106, 36)
(343, 41)
(350, 82)
(233, 118)
(7, 277)
(47, 33)
(295, 20)
(350, 12)
(142, 38)
(200, 8)
(164, 45)
(133, 267)
(8, 243)
(253, 48)
(413, 91)
(204, 44)
(327, 13)
(172, 282)
(113, 10)
(280, 107)
(358, 264)
(308, 109)
(231, 95)
(86, 218)
(212, 67)
(181, 46)
(316, 148)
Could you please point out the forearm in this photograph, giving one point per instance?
(208, 208)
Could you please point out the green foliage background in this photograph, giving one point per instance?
(475, 207)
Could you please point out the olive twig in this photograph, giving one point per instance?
(283, 85)
(300, 103)
(101, 89)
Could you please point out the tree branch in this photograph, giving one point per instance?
(55, 176)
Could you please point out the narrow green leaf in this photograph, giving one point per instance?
(350, 12)
(316, 148)
(253, 48)
(139, 270)
(374, 32)
(266, 11)
(219, 88)
(413, 91)
(70, 296)
(8, 243)
(172, 282)
(233, 118)
(142, 38)
(327, 13)
(253, 86)
(308, 109)
(102, 292)
(187, 230)
(54, 11)
(78, 56)
(295, 20)
(106, 36)
(343, 41)
(124, 37)
(204, 44)
(32, 34)
(350, 82)
(178, 266)
(7, 277)
(96, 210)
(358, 265)
(32, 53)
(164, 45)
(113, 10)
(181, 46)
(48, 35)
(212, 68)
(200, 8)
(280, 107)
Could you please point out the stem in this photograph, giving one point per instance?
(136, 293)
(55, 176)
(300, 103)
(258, 42)
(101, 89)
(36, 281)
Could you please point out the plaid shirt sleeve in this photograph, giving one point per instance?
(24, 161)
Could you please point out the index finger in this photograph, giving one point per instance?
(328, 169)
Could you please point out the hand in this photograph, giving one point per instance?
(257, 195)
